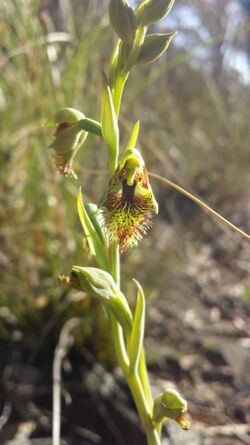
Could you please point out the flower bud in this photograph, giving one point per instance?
(100, 284)
(150, 11)
(172, 405)
(129, 203)
(122, 19)
(95, 282)
(153, 47)
(68, 138)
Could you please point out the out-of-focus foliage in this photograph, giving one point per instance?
(50, 58)
(194, 112)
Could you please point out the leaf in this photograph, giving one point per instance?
(110, 128)
(133, 137)
(137, 335)
(93, 213)
(96, 245)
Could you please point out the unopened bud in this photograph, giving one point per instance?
(100, 284)
(123, 20)
(153, 47)
(150, 11)
(95, 282)
(172, 405)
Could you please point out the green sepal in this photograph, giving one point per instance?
(97, 245)
(122, 19)
(69, 115)
(153, 47)
(151, 11)
(133, 137)
(137, 334)
(133, 160)
(69, 139)
(110, 128)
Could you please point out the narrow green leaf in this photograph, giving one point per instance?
(93, 213)
(133, 137)
(137, 335)
(97, 248)
(110, 128)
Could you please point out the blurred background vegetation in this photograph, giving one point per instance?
(193, 105)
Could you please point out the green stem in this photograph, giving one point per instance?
(142, 407)
(134, 380)
(91, 126)
(143, 373)
(138, 381)
(115, 263)
(122, 76)
(120, 347)
(118, 336)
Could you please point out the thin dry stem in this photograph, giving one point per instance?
(201, 204)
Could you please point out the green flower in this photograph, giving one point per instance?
(129, 203)
(68, 138)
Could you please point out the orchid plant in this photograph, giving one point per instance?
(124, 213)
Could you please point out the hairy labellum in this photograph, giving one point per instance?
(128, 209)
